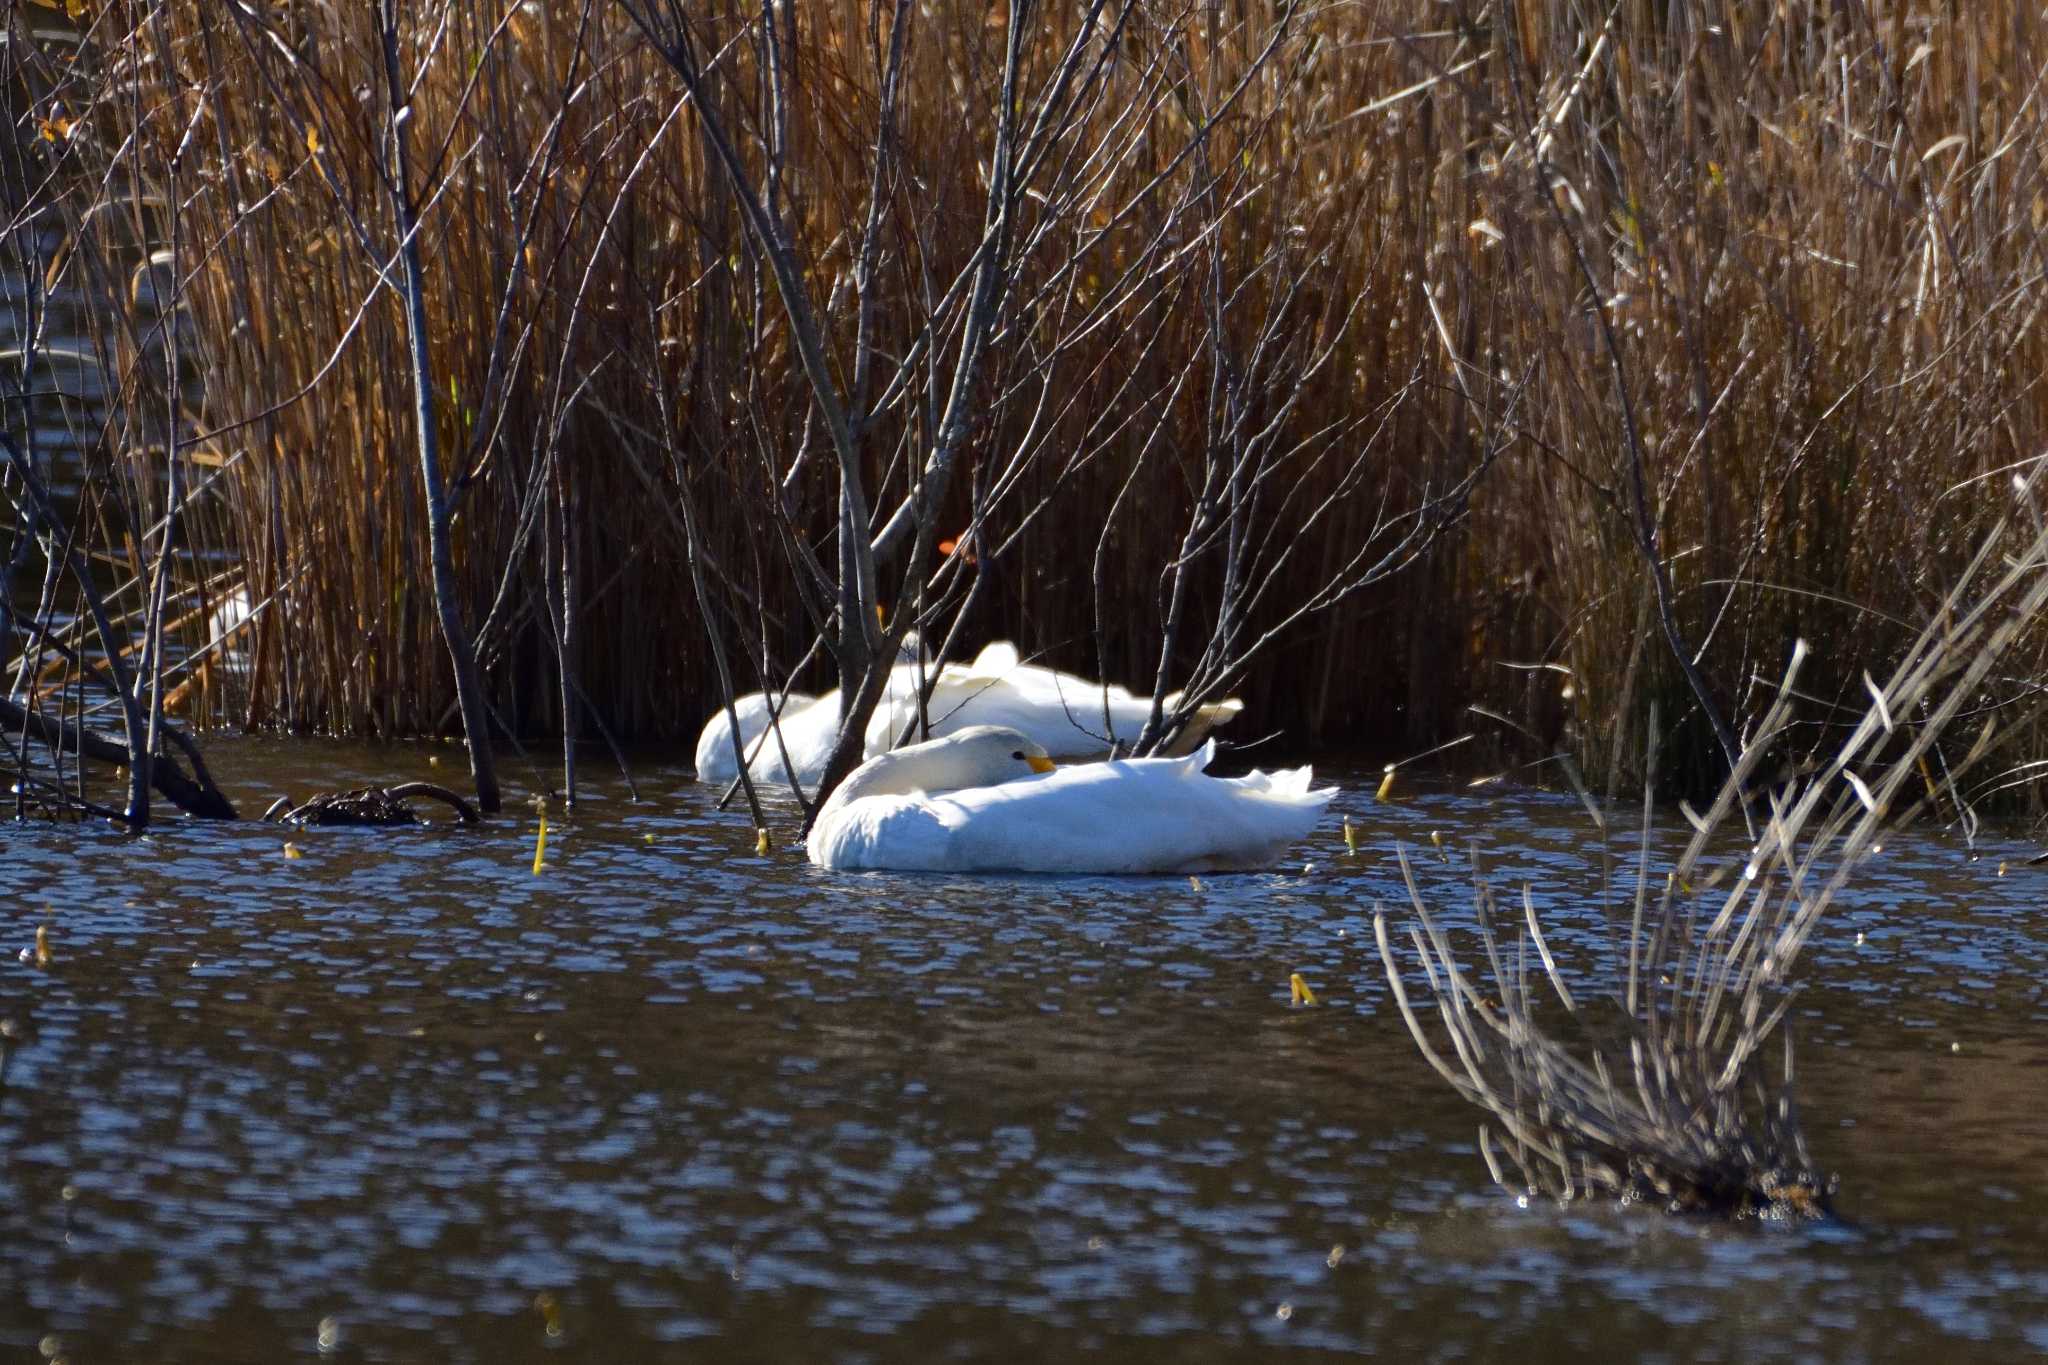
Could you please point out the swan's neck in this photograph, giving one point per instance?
(937, 765)
(884, 775)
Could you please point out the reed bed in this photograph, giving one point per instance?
(1511, 310)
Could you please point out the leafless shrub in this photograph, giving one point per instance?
(1662, 1091)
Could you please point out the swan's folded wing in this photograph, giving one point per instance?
(898, 833)
(1139, 815)
(1060, 713)
(1286, 782)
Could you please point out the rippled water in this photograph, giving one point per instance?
(400, 1099)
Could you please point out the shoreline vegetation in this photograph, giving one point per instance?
(1408, 370)
(1412, 371)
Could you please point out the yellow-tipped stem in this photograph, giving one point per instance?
(43, 946)
(540, 844)
(292, 851)
(1302, 994)
(1386, 784)
(762, 843)
(1350, 838)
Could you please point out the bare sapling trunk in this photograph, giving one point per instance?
(985, 300)
(865, 653)
(141, 772)
(469, 694)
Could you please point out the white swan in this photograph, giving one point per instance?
(715, 761)
(1063, 713)
(988, 799)
(809, 725)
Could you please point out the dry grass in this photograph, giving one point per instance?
(1817, 237)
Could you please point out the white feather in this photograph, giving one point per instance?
(953, 805)
(1063, 713)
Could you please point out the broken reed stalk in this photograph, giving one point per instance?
(1662, 1092)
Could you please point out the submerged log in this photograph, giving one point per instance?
(195, 795)
(374, 807)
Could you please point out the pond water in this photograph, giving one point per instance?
(398, 1098)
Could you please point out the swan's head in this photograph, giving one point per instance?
(977, 756)
(995, 752)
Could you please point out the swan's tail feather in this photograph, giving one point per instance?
(1189, 766)
(997, 659)
(1205, 719)
(1290, 782)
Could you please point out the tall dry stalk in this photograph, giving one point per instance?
(412, 287)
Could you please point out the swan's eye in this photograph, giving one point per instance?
(1019, 755)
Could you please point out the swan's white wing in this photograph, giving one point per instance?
(898, 706)
(1139, 815)
(1066, 721)
(898, 833)
(1067, 715)
(1286, 782)
(995, 660)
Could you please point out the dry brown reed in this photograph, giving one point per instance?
(1813, 237)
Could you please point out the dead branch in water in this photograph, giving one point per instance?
(376, 807)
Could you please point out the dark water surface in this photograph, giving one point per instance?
(400, 1099)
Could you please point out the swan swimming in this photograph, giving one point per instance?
(1066, 715)
(988, 798)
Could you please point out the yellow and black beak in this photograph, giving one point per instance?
(1040, 763)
